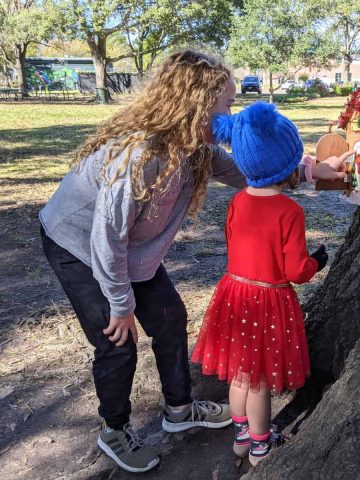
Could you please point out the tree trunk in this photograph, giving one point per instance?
(139, 60)
(327, 443)
(20, 68)
(97, 44)
(271, 89)
(102, 92)
(346, 56)
(6, 75)
(347, 65)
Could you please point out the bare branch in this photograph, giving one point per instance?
(134, 54)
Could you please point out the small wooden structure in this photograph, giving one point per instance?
(334, 144)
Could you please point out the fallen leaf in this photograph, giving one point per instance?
(5, 391)
(26, 416)
(44, 439)
(65, 392)
(215, 474)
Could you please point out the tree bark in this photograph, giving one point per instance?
(97, 44)
(20, 68)
(139, 60)
(333, 323)
(327, 442)
(327, 445)
(271, 88)
(346, 55)
(102, 92)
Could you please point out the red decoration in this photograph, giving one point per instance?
(351, 106)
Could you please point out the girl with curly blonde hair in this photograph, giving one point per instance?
(112, 220)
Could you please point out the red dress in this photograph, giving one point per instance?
(253, 328)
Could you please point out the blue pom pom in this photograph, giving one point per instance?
(222, 126)
(263, 117)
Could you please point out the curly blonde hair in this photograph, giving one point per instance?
(168, 119)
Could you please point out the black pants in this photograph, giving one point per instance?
(160, 312)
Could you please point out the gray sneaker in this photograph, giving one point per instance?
(127, 450)
(198, 414)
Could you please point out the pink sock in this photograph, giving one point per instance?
(259, 438)
(239, 419)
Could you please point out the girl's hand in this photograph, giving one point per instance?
(321, 257)
(331, 168)
(119, 328)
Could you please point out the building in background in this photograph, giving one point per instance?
(57, 73)
(70, 73)
(334, 74)
(327, 75)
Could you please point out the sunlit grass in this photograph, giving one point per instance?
(37, 141)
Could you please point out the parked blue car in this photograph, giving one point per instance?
(251, 83)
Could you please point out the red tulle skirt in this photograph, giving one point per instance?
(253, 334)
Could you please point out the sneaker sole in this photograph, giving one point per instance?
(241, 451)
(123, 465)
(255, 460)
(181, 426)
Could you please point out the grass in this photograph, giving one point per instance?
(37, 141)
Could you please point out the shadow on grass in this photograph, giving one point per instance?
(27, 284)
(28, 143)
(311, 106)
(9, 181)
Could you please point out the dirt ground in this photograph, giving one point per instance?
(49, 421)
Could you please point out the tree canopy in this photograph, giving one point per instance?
(278, 37)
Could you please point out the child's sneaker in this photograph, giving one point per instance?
(260, 447)
(126, 449)
(241, 445)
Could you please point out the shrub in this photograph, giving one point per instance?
(318, 89)
(343, 90)
(296, 98)
(297, 91)
(304, 78)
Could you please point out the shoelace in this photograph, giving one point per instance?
(206, 407)
(133, 437)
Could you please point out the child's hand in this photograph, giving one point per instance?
(119, 327)
(321, 257)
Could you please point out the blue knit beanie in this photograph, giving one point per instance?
(266, 145)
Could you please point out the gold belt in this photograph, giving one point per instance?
(259, 284)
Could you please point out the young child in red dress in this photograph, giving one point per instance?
(253, 333)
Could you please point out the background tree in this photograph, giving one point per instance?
(143, 29)
(344, 21)
(63, 48)
(278, 38)
(95, 21)
(160, 24)
(5, 57)
(25, 22)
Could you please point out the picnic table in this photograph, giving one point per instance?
(46, 94)
(10, 93)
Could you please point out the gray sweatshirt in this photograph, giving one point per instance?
(121, 239)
